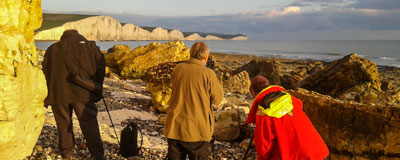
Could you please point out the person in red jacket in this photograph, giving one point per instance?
(289, 137)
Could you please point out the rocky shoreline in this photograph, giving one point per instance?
(130, 99)
(126, 99)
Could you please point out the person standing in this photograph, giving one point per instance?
(283, 132)
(74, 69)
(190, 117)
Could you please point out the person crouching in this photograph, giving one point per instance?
(282, 132)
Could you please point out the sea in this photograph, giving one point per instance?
(382, 52)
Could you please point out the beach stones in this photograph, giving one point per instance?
(133, 64)
(22, 83)
(352, 78)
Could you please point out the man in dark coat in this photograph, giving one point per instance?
(68, 65)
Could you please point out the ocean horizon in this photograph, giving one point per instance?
(381, 52)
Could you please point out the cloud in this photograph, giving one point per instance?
(359, 4)
(376, 4)
(274, 13)
(325, 3)
(288, 21)
(285, 11)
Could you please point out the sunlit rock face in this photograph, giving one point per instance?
(104, 28)
(97, 28)
(230, 125)
(133, 64)
(210, 37)
(268, 69)
(352, 129)
(240, 38)
(351, 78)
(153, 63)
(132, 32)
(239, 83)
(22, 83)
(176, 35)
(159, 85)
(194, 36)
(160, 34)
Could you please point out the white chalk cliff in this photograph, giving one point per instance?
(104, 28)
(194, 36)
(210, 37)
(239, 38)
(132, 32)
(98, 28)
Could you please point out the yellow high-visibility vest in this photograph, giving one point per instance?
(279, 107)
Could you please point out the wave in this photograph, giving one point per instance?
(334, 54)
(389, 58)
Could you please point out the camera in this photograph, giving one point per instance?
(210, 63)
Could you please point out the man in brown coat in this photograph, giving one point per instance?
(67, 65)
(190, 117)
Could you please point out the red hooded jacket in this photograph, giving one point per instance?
(286, 138)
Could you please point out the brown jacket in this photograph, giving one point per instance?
(72, 55)
(190, 117)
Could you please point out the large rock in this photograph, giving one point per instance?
(119, 48)
(154, 63)
(231, 125)
(239, 83)
(134, 64)
(353, 129)
(158, 80)
(352, 78)
(114, 56)
(22, 83)
(291, 75)
(268, 69)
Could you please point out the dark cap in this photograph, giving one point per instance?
(258, 83)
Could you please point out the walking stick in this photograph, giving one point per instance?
(213, 147)
(248, 148)
(112, 124)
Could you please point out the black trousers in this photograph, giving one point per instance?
(178, 150)
(87, 116)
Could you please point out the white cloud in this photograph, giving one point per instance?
(376, 4)
(292, 20)
(285, 11)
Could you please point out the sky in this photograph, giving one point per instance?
(258, 19)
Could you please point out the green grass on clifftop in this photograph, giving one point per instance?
(52, 20)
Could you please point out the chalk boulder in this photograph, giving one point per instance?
(22, 83)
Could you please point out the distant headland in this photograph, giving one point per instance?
(105, 28)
